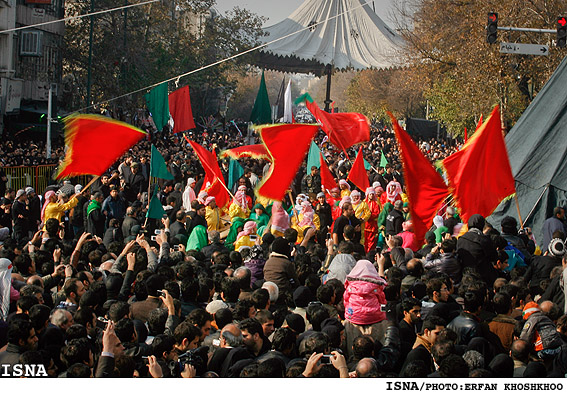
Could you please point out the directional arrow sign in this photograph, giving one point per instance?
(524, 49)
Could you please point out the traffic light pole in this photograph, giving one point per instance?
(527, 29)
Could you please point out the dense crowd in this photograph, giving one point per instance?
(326, 283)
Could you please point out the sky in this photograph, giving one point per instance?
(278, 10)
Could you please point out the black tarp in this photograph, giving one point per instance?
(537, 147)
(425, 129)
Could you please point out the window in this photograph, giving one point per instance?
(31, 43)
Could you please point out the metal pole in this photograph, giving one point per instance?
(328, 100)
(528, 29)
(90, 56)
(49, 105)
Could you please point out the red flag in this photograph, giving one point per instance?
(466, 136)
(425, 187)
(357, 174)
(327, 179)
(89, 150)
(479, 174)
(213, 174)
(180, 110)
(255, 151)
(287, 146)
(344, 129)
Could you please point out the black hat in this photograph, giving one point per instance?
(281, 246)
(509, 225)
(295, 322)
(302, 296)
(476, 221)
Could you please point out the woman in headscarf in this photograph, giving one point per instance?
(345, 188)
(307, 218)
(371, 226)
(7, 292)
(52, 209)
(364, 300)
(189, 194)
(243, 237)
(198, 238)
(260, 216)
(280, 219)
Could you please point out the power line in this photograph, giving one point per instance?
(70, 18)
(223, 60)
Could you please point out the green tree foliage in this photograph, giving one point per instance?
(153, 43)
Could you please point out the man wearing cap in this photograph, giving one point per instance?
(325, 213)
(34, 207)
(20, 216)
(95, 218)
(198, 219)
(279, 269)
(189, 194)
(395, 219)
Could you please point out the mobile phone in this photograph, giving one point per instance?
(161, 293)
(153, 238)
(216, 342)
(102, 319)
(326, 359)
(253, 237)
(157, 232)
(328, 235)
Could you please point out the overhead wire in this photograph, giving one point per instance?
(70, 18)
(177, 77)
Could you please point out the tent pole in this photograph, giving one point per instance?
(328, 101)
(537, 202)
(518, 208)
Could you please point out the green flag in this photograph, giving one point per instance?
(235, 171)
(158, 105)
(383, 160)
(367, 165)
(155, 210)
(158, 168)
(313, 157)
(262, 111)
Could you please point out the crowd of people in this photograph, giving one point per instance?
(326, 283)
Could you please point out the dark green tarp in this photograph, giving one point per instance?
(537, 147)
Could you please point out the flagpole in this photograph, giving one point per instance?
(293, 206)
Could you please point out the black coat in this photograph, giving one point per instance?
(394, 222)
(95, 223)
(475, 250)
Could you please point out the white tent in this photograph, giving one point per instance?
(350, 36)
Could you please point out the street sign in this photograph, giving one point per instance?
(524, 49)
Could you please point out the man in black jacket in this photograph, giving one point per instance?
(20, 216)
(21, 338)
(475, 250)
(395, 219)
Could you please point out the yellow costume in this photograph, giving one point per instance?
(213, 216)
(362, 212)
(243, 241)
(236, 210)
(301, 230)
(55, 210)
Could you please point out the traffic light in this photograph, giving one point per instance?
(492, 28)
(561, 32)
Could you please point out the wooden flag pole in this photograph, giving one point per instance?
(293, 206)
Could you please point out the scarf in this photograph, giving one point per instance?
(240, 200)
(308, 214)
(5, 285)
(94, 204)
(422, 341)
(280, 218)
(249, 228)
(393, 190)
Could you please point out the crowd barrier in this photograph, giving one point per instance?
(38, 177)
